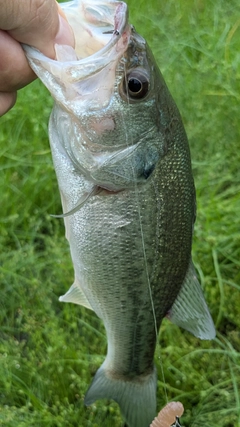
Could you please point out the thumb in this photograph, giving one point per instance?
(41, 24)
(65, 33)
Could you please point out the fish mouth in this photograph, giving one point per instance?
(102, 25)
(102, 34)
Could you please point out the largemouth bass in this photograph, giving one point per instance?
(124, 172)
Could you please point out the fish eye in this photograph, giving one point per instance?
(135, 85)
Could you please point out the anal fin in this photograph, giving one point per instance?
(76, 296)
(190, 310)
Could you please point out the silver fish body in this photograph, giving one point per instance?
(124, 172)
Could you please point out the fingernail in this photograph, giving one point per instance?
(65, 33)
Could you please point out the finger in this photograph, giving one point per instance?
(7, 101)
(14, 69)
(65, 33)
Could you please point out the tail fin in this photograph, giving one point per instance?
(136, 397)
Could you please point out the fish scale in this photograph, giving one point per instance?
(123, 166)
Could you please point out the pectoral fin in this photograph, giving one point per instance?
(76, 296)
(190, 310)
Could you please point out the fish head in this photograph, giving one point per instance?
(107, 114)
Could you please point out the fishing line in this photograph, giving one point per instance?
(143, 241)
(159, 355)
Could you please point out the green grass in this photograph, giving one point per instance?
(49, 351)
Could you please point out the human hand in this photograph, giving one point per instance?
(39, 23)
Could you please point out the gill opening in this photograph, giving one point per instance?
(143, 242)
(83, 199)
